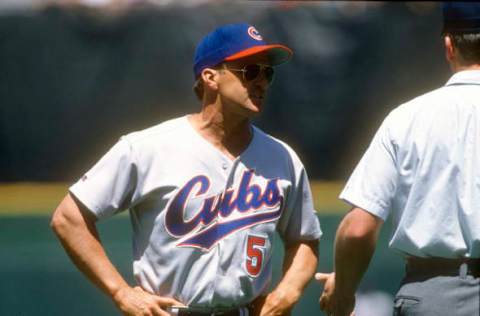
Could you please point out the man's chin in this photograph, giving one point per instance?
(257, 105)
(255, 111)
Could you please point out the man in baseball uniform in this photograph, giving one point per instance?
(206, 192)
(422, 170)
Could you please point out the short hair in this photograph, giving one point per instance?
(198, 88)
(468, 46)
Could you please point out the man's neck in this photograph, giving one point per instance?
(230, 134)
(457, 67)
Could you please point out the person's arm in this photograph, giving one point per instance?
(299, 265)
(355, 243)
(75, 228)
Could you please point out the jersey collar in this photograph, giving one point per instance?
(465, 77)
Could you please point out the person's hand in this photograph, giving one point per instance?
(331, 302)
(136, 301)
(327, 297)
(277, 303)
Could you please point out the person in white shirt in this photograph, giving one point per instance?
(421, 170)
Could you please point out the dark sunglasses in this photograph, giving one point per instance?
(251, 72)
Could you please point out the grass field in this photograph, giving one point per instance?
(38, 198)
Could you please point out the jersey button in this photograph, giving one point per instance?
(224, 166)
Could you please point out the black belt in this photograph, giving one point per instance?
(417, 266)
(185, 311)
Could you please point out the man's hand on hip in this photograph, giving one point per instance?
(136, 301)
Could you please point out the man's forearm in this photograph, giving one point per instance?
(354, 246)
(78, 235)
(299, 266)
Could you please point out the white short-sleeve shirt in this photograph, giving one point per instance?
(203, 224)
(423, 170)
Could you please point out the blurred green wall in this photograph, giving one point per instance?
(37, 277)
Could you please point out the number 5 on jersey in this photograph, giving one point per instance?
(255, 255)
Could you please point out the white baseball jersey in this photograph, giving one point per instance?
(203, 224)
(423, 169)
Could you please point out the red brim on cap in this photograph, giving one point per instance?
(278, 54)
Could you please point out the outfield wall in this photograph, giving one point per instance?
(39, 279)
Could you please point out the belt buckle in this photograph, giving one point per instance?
(176, 310)
(185, 310)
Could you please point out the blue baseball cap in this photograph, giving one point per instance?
(461, 17)
(234, 41)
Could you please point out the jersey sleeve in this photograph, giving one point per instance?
(372, 184)
(107, 188)
(299, 220)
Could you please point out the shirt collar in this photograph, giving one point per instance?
(465, 77)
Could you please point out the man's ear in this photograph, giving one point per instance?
(450, 51)
(210, 78)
